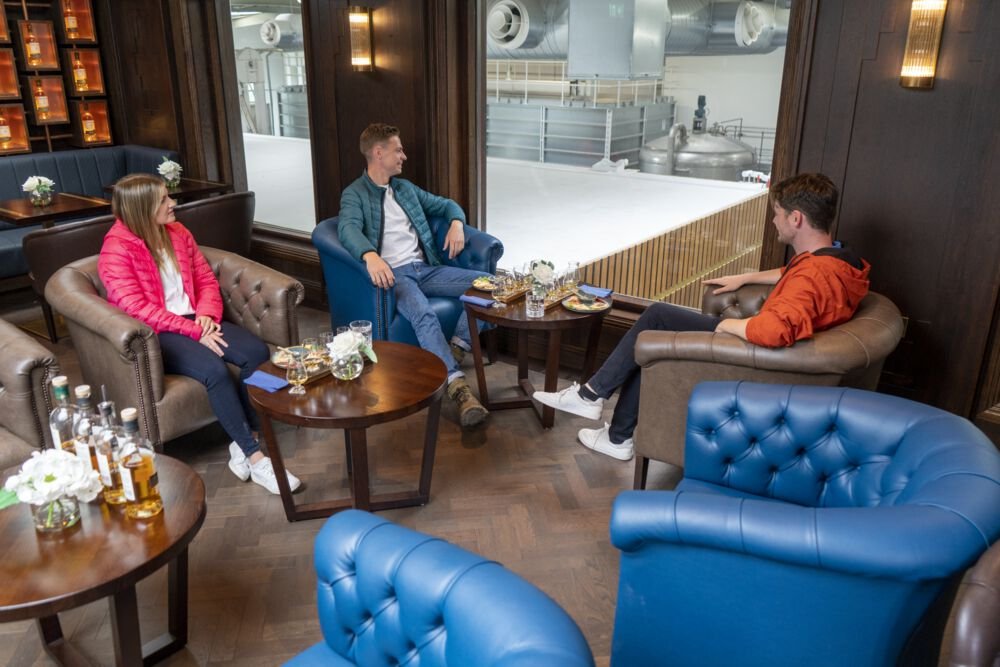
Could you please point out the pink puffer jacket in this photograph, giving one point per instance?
(132, 279)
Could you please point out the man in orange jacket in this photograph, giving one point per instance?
(819, 288)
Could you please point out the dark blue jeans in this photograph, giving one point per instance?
(230, 401)
(620, 369)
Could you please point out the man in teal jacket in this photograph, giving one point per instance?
(383, 223)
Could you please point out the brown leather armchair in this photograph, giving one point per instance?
(25, 402)
(674, 362)
(975, 641)
(124, 354)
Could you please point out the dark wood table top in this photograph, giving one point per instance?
(514, 317)
(43, 575)
(64, 205)
(405, 380)
(190, 187)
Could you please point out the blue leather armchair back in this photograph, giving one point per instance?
(353, 297)
(388, 595)
(814, 525)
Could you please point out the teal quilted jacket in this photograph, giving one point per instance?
(361, 216)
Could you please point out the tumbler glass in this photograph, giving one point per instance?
(363, 327)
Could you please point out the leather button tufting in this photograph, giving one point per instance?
(801, 452)
(727, 461)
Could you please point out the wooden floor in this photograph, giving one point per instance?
(532, 499)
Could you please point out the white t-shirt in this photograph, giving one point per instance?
(400, 244)
(177, 299)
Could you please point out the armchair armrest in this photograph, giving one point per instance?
(25, 370)
(258, 298)
(743, 302)
(482, 251)
(898, 542)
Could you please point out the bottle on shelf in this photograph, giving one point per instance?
(69, 21)
(41, 101)
(108, 439)
(4, 131)
(32, 47)
(79, 74)
(61, 417)
(87, 121)
(138, 470)
(84, 426)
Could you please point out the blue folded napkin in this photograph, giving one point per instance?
(600, 292)
(266, 381)
(476, 300)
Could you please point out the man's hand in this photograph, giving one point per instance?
(733, 326)
(454, 242)
(214, 342)
(380, 272)
(726, 283)
(207, 324)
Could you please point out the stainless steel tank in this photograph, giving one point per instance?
(708, 154)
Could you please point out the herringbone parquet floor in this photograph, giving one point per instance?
(529, 498)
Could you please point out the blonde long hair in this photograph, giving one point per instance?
(134, 201)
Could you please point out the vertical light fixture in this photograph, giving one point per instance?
(362, 51)
(922, 43)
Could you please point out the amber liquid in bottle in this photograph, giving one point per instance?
(70, 22)
(33, 48)
(111, 478)
(79, 74)
(89, 127)
(107, 454)
(140, 485)
(4, 132)
(41, 101)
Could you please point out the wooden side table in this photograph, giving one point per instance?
(23, 213)
(405, 380)
(555, 321)
(104, 555)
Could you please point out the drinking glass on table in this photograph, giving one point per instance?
(501, 288)
(363, 327)
(571, 278)
(314, 356)
(296, 374)
(325, 338)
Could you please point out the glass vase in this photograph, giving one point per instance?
(58, 515)
(40, 198)
(347, 367)
(172, 183)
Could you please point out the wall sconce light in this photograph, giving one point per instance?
(362, 51)
(922, 43)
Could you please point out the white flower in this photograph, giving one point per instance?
(348, 343)
(38, 184)
(169, 169)
(51, 474)
(543, 271)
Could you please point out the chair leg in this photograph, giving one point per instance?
(50, 321)
(641, 471)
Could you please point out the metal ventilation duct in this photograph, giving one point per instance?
(539, 29)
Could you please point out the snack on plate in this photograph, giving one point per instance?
(283, 356)
(484, 283)
(574, 303)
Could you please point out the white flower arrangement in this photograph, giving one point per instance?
(543, 272)
(348, 343)
(170, 170)
(48, 476)
(38, 185)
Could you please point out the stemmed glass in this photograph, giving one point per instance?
(297, 375)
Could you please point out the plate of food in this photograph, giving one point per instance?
(578, 305)
(483, 284)
(283, 355)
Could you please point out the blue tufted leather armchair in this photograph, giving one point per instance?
(389, 596)
(814, 526)
(353, 297)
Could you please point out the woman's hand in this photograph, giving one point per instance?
(214, 342)
(207, 324)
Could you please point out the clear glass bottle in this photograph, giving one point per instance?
(137, 467)
(109, 453)
(89, 126)
(61, 417)
(41, 101)
(79, 74)
(70, 22)
(32, 47)
(84, 424)
(5, 134)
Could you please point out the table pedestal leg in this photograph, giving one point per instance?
(430, 448)
(590, 356)
(357, 447)
(551, 375)
(273, 451)
(55, 646)
(125, 628)
(477, 356)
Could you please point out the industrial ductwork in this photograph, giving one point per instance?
(539, 29)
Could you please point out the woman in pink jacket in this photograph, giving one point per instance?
(153, 270)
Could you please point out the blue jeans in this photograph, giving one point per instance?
(230, 403)
(417, 281)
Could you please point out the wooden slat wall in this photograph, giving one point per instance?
(670, 267)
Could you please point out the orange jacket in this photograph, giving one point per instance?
(816, 291)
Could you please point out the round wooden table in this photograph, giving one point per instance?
(104, 555)
(556, 320)
(405, 380)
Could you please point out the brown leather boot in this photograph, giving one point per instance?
(470, 411)
(458, 352)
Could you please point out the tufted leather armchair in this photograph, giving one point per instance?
(352, 296)
(389, 596)
(674, 362)
(25, 371)
(814, 526)
(124, 354)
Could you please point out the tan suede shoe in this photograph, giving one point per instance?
(470, 411)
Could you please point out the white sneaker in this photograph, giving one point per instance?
(238, 462)
(598, 440)
(569, 400)
(263, 473)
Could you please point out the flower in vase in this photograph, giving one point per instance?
(543, 271)
(351, 342)
(50, 475)
(38, 185)
(170, 170)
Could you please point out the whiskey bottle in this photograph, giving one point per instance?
(89, 127)
(83, 427)
(61, 418)
(32, 48)
(41, 101)
(79, 74)
(4, 132)
(108, 436)
(69, 21)
(137, 467)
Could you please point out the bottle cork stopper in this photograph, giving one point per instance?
(130, 414)
(82, 391)
(60, 381)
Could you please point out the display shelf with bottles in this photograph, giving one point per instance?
(13, 130)
(9, 90)
(76, 22)
(90, 123)
(38, 46)
(47, 99)
(82, 68)
(4, 28)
